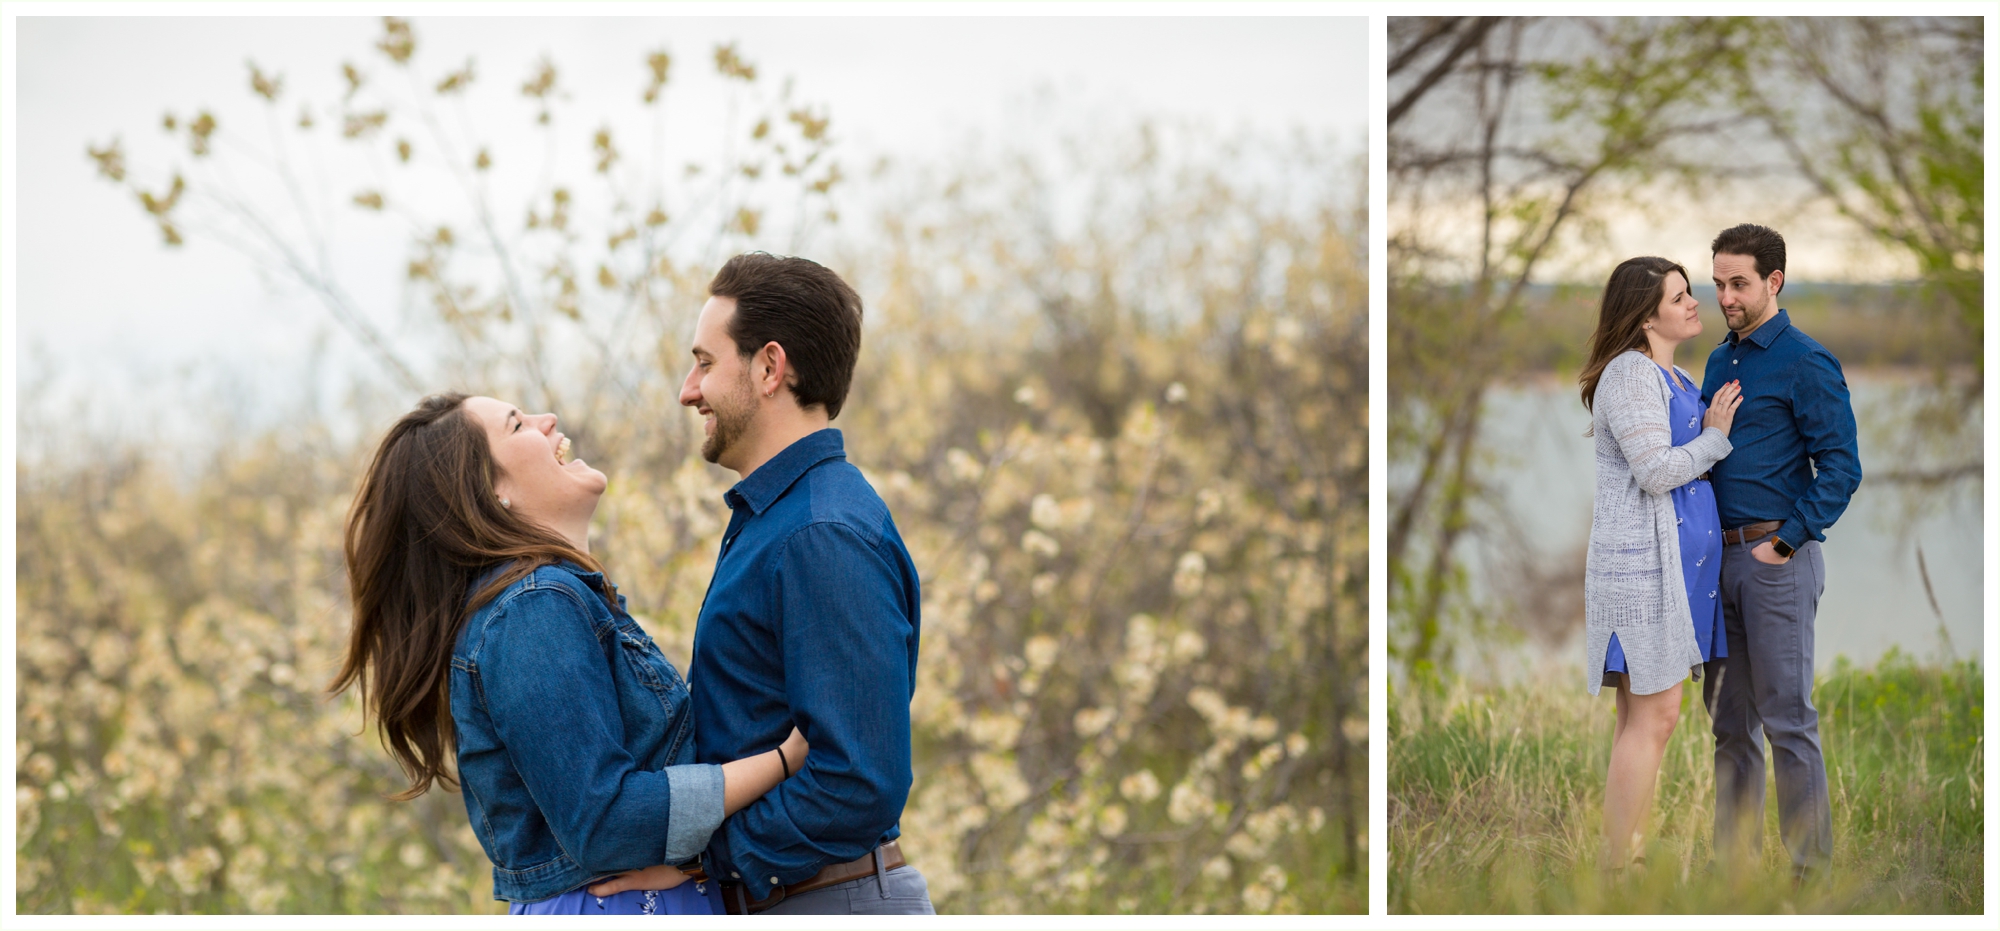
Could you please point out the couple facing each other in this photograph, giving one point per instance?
(1704, 555)
(488, 642)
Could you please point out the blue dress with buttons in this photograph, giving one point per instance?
(1701, 538)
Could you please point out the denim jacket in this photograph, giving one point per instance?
(575, 748)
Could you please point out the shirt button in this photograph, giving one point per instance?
(1733, 361)
(774, 880)
(735, 875)
(1678, 522)
(1711, 594)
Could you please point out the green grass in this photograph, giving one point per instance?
(1495, 801)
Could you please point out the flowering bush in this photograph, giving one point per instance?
(1127, 452)
(1139, 686)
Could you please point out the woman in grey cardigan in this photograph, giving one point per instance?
(1650, 611)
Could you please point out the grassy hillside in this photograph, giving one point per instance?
(1496, 798)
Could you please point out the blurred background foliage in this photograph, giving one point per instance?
(1524, 152)
(1114, 393)
(1526, 157)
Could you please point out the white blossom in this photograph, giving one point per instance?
(1040, 544)
(1188, 574)
(1141, 786)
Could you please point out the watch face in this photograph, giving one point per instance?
(1782, 548)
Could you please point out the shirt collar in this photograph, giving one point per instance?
(593, 579)
(759, 489)
(1764, 335)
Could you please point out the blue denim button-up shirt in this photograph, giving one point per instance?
(575, 748)
(1795, 419)
(811, 619)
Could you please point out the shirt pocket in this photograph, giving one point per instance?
(650, 667)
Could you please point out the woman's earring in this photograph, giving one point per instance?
(505, 503)
(1649, 326)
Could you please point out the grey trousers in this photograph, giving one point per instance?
(906, 894)
(1763, 688)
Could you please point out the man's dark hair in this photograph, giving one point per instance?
(800, 305)
(1761, 243)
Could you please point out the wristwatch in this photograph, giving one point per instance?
(1780, 547)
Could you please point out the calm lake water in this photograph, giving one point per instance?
(1543, 473)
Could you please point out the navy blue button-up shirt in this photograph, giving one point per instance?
(811, 619)
(1796, 459)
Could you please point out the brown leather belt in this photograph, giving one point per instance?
(1751, 532)
(736, 899)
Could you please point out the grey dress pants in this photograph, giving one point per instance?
(905, 893)
(1763, 688)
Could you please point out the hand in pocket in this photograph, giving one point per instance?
(1767, 554)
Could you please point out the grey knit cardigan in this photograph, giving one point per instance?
(1632, 576)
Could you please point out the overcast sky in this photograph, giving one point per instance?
(102, 303)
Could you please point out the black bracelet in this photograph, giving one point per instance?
(787, 764)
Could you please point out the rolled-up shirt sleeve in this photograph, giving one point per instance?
(694, 809)
(547, 686)
(1825, 417)
(846, 638)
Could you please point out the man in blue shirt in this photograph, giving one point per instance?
(1794, 467)
(811, 618)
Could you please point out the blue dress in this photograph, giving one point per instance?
(688, 898)
(1701, 540)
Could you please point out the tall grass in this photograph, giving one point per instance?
(1496, 799)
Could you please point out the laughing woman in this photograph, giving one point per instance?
(485, 632)
(1651, 616)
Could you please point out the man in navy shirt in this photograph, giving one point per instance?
(811, 618)
(1794, 467)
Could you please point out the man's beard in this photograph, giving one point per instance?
(732, 420)
(1748, 318)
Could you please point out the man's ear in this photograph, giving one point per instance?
(1777, 280)
(771, 361)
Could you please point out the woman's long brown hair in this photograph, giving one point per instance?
(425, 525)
(1631, 297)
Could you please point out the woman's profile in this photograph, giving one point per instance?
(1651, 612)
(492, 653)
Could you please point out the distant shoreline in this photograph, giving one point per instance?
(1549, 379)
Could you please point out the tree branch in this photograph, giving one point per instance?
(1472, 36)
